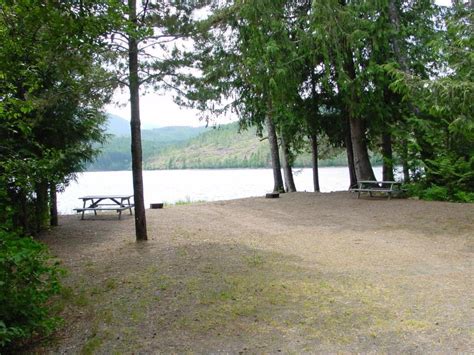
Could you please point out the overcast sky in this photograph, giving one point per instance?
(160, 110)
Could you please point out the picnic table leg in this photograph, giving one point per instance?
(83, 209)
(130, 209)
(95, 212)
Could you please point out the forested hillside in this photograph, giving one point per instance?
(203, 148)
(115, 153)
(226, 147)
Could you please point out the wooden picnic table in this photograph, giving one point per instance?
(96, 203)
(385, 187)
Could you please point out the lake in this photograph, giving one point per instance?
(196, 185)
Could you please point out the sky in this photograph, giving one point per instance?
(160, 110)
(155, 111)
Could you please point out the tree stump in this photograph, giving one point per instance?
(154, 206)
(272, 195)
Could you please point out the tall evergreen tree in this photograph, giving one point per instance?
(149, 30)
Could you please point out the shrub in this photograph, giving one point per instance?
(436, 193)
(28, 278)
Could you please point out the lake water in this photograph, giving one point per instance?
(196, 185)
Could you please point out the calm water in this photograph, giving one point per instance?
(193, 185)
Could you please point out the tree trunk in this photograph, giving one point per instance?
(395, 21)
(404, 157)
(42, 207)
(287, 172)
(362, 165)
(387, 168)
(21, 218)
(314, 160)
(350, 156)
(53, 200)
(313, 137)
(272, 139)
(355, 140)
(363, 168)
(136, 141)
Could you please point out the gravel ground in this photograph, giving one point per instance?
(306, 272)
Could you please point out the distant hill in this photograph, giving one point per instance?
(221, 147)
(200, 148)
(117, 125)
(115, 153)
(172, 134)
(225, 147)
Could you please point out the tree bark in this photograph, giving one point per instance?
(272, 139)
(313, 136)
(20, 216)
(42, 207)
(363, 167)
(387, 167)
(287, 172)
(136, 141)
(395, 21)
(53, 207)
(314, 160)
(355, 140)
(404, 157)
(350, 156)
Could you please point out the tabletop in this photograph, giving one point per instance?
(94, 197)
(378, 182)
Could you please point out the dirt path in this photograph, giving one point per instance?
(303, 273)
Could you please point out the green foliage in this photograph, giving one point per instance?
(444, 126)
(28, 279)
(435, 193)
(52, 90)
(439, 193)
(446, 179)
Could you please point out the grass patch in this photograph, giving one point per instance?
(254, 260)
(210, 291)
(186, 201)
(91, 346)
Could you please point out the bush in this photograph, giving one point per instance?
(438, 193)
(28, 278)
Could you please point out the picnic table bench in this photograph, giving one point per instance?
(385, 187)
(96, 203)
